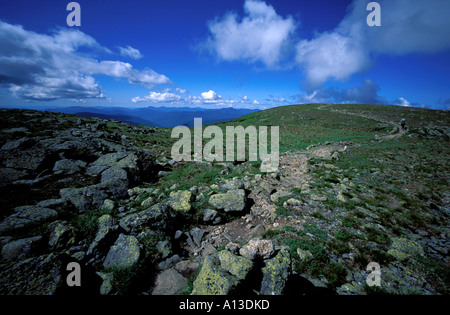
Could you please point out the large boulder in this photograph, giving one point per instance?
(169, 282)
(232, 200)
(124, 253)
(40, 275)
(181, 201)
(68, 166)
(276, 273)
(84, 198)
(213, 279)
(155, 216)
(25, 216)
(21, 249)
(62, 235)
(106, 229)
(236, 265)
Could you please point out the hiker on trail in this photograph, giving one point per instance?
(403, 123)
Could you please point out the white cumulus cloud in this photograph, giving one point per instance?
(130, 52)
(45, 67)
(258, 36)
(158, 98)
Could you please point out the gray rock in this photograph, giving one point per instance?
(258, 249)
(21, 249)
(62, 235)
(164, 248)
(115, 180)
(154, 216)
(213, 279)
(236, 265)
(106, 230)
(169, 282)
(10, 175)
(209, 215)
(69, 167)
(181, 200)
(169, 262)
(276, 273)
(25, 216)
(124, 253)
(84, 198)
(232, 200)
(197, 235)
(40, 275)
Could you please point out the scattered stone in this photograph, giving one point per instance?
(275, 197)
(209, 215)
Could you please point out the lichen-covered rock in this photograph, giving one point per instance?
(275, 197)
(40, 275)
(154, 216)
(106, 228)
(20, 249)
(181, 200)
(232, 200)
(107, 284)
(236, 265)
(276, 273)
(124, 253)
(108, 205)
(85, 197)
(164, 248)
(213, 279)
(25, 216)
(402, 248)
(62, 235)
(257, 248)
(232, 184)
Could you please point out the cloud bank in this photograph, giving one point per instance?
(352, 47)
(47, 67)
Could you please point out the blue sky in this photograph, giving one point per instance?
(224, 53)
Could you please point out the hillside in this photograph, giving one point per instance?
(352, 188)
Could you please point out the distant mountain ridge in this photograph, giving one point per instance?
(165, 117)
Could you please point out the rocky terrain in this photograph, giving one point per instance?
(107, 195)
